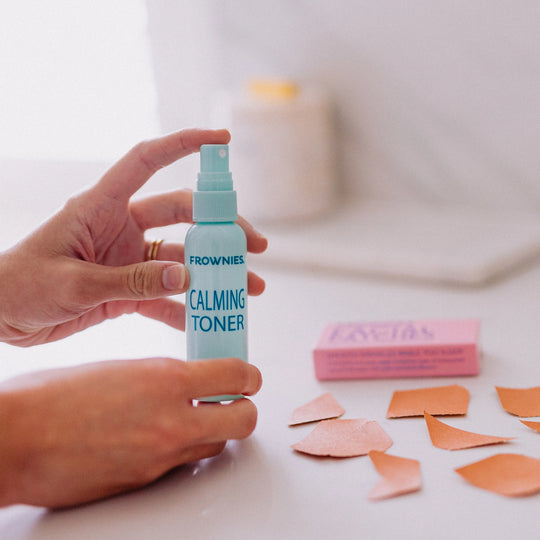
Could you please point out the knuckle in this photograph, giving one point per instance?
(150, 155)
(169, 374)
(183, 211)
(139, 281)
(141, 152)
(165, 363)
(72, 204)
(178, 371)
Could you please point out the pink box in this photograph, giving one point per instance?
(379, 350)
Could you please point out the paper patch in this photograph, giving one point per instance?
(399, 475)
(439, 401)
(513, 475)
(320, 408)
(523, 402)
(344, 438)
(532, 425)
(450, 438)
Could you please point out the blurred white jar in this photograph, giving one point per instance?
(282, 156)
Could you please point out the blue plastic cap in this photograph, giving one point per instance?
(214, 199)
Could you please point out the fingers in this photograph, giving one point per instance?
(169, 251)
(144, 159)
(201, 451)
(217, 422)
(164, 310)
(173, 313)
(222, 376)
(149, 283)
(177, 207)
(256, 284)
(256, 242)
(164, 209)
(141, 281)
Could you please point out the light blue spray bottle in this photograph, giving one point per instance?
(215, 255)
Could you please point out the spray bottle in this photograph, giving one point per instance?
(215, 255)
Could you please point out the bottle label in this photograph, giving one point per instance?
(216, 261)
(216, 306)
(218, 310)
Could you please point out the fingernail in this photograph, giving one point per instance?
(174, 277)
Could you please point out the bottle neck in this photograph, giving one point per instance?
(214, 206)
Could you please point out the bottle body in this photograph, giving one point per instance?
(216, 301)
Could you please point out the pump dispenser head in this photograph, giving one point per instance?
(215, 199)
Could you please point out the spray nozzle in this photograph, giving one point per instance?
(214, 175)
(214, 199)
(214, 158)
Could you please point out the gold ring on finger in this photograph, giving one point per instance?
(153, 249)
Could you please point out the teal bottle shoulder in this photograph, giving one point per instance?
(216, 232)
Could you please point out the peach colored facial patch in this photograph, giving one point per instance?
(344, 438)
(513, 475)
(532, 425)
(320, 408)
(399, 475)
(439, 401)
(450, 438)
(523, 402)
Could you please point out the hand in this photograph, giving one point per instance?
(78, 434)
(87, 263)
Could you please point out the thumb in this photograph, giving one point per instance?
(141, 281)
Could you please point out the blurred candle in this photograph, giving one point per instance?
(281, 150)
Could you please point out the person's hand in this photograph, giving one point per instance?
(87, 263)
(81, 433)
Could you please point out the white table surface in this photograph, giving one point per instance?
(261, 488)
